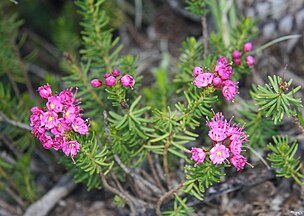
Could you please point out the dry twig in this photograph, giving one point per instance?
(42, 207)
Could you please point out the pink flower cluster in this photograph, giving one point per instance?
(228, 138)
(111, 79)
(236, 55)
(219, 78)
(61, 117)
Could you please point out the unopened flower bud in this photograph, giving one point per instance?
(250, 61)
(110, 81)
(197, 71)
(237, 61)
(247, 47)
(236, 54)
(45, 91)
(116, 72)
(127, 81)
(106, 75)
(96, 83)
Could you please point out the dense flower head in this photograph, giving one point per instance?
(198, 155)
(228, 141)
(61, 117)
(127, 81)
(219, 78)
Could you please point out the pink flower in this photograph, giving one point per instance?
(58, 142)
(218, 154)
(236, 54)
(229, 90)
(79, 125)
(238, 161)
(247, 47)
(60, 127)
(71, 148)
(116, 72)
(96, 83)
(237, 61)
(217, 121)
(45, 91)
(221, 62)
(54, 104)
(223, 68)
(70, 114)
(67, 97)
(127, 81)
(236, 146)
(236, 132)
(49, 119)
(198, 155)
(217, 81)
(37, 112)
(46, 141)
(225, 72)
(110, 81)
(197, 71)
(250, 61)
(203, 80)
(217, 134)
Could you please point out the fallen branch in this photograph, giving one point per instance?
(43, 206)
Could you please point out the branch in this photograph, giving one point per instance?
(164, 197)
(154, 173)
(43, 206)
(123, 166)
(4, 118)
(117, 192)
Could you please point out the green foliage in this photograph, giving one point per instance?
(180, 207)
(197, 7)
(258, 128)
(100, 49)
(119, 201)
(10, 65)
(190, 57)
(160, 96)
(198, 106)
(64, 34)
(273, 99)
(16, 176)
(129, 132)
(201, 177)
(282, 158)
(90, 161)
(13, 109)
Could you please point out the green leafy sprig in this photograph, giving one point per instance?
(282, 158)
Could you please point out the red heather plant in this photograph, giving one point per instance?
(143, 145)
